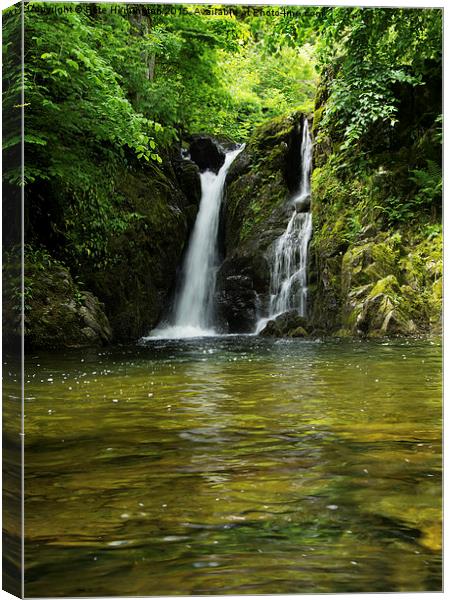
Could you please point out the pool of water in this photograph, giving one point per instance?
(234, 465)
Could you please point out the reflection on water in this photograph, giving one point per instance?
(234, 466)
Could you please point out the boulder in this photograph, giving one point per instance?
(58, 313)
(302, 204)
(382, 310)
(241, 281)
(288, 324)
(237, 304)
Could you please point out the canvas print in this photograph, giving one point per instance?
(222, 278)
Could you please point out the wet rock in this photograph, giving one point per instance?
(240, 281)
(299, 332)
(238, 311)
(94, 317)
(137, 286)
(288, 324)
(260, 183)
(302, 204)
(383, 285)
(383, 310)
(188, 176)
(206, 153)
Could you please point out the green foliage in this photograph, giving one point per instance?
(429, 183)
(374, 50)
(262, 85)
(366, 53)
(424, 195)
(106, 93)
(76, 101)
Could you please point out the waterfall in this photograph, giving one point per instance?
(193, 315)
(288, 287)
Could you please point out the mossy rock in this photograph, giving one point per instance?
(288, 324)
(136, 287)
(256, 212)
(383, 311)
(376, 250)
(368, 263)
(58, 314)
(298, 332)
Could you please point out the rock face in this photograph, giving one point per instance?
(206, 153)
(385, 285)
(259, 183)
(376, 249)
(128, 294)
(237, 300)
(137, 286)
(187, 174)
(59, 314)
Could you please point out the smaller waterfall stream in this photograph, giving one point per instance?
(289, 263)
(194, 303)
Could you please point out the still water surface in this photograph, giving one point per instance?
(234, 466)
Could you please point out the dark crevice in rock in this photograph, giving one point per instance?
(206, 153)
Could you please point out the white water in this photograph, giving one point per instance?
(194, 303)
(289, 259)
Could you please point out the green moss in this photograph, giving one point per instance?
(146, 254)
(298, 332)
(58, 312)
(255, 196)
(272, 133)
(317, 117)
(355, 246)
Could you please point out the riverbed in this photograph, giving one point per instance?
(234, 465)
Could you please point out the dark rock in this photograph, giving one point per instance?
(237, 304)
(239, 283)
(139, 245)
(292, 164)
(188, 176)
(207, 154)
(59, 314)
(137, 286)
(302, 204)
(299, 332)
(288, 324)
(260, 183)
(239, 166)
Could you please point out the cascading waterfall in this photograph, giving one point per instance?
(194, 304)
(288, 286)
